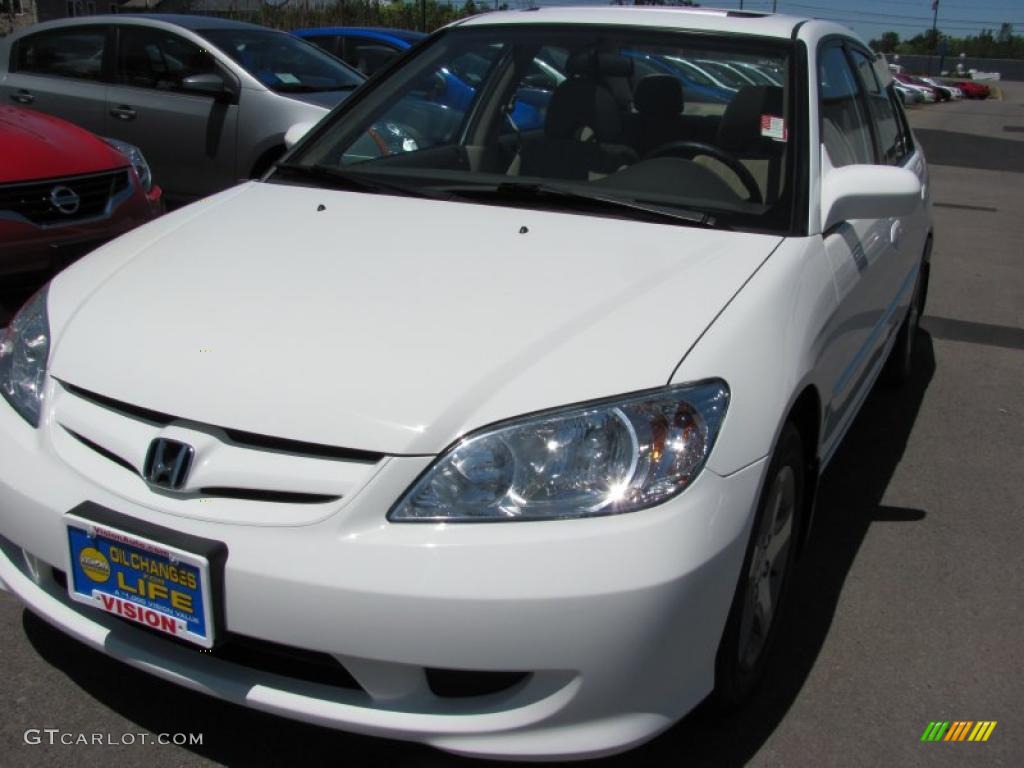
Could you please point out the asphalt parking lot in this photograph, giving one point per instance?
(909, 603)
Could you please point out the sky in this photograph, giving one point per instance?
(870, 18)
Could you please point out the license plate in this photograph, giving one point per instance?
(140, 579)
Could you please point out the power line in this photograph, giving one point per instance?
(924, 19)
(906, 25)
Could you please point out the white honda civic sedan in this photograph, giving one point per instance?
(500, 432)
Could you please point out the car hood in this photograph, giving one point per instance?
(37, 146)
(385, 323)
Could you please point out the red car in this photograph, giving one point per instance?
(973, 90)
(65, 191)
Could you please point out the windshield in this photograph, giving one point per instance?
(283, 63)
(553, 116)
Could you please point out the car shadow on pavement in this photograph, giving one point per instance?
(849, 503)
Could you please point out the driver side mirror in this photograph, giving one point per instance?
(208, 84)
(868, 192)
(294, 134)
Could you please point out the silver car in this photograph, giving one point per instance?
(207, 100)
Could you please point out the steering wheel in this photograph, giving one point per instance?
(690, 149)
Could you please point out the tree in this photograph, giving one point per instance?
(886, 43)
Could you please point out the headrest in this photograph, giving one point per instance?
(658, 96)
(578, 104)
(593, 64)
(740, 128)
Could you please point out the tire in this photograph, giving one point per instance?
(900, 365)
(764, 580)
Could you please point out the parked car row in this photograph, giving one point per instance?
(205, 101)
(208, 102)
(915, 89)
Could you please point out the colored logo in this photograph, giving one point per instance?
(958, 730)
(94, 564)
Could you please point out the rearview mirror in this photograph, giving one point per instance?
(868, 192)
(209, 84)
(295, 133)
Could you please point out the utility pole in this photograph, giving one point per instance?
(935, 37)
(774, 5)
(423, 15)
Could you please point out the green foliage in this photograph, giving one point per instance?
(986, 44)
(887, 43)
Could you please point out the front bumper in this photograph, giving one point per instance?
(616, 620)
(27, 247)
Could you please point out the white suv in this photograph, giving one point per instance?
(511, 434)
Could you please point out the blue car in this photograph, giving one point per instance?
(699, 92)
(367, 49)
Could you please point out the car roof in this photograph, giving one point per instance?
(668, 17)
(184, 21)
(406, 35)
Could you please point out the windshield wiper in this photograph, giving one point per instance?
(338, 179)
(530, 192)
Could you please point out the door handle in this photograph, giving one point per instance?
(895, 233)
(123, 113)
(23, 97)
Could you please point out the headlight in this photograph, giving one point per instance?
(134, 155)
(24, 350)
(603, 458)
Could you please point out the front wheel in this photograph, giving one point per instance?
(753, 617)
(900, 365)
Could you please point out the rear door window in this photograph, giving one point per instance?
(75, 52)
(153, 58)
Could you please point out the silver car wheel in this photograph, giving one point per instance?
(768, 567)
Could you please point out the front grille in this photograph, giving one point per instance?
(238, 437)
(254, 476)
(247, 494)
(33, 199)
(120, 461)
(257, 494)
(285, 660)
